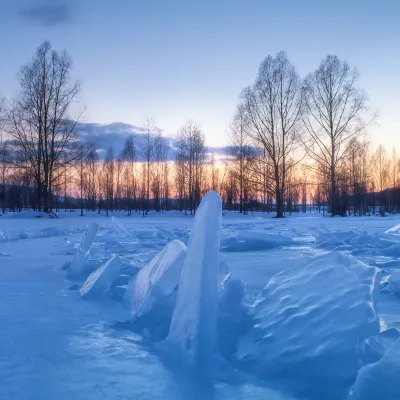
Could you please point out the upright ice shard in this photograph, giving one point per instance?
(99, 282)
(193, 328)
(76, 268)
(158, 279)
(89, 238)
(119, 227)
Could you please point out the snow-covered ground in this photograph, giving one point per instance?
(56, 345)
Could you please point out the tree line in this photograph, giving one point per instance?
(294, 143)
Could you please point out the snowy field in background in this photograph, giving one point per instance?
(55, 345)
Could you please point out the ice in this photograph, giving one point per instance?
(119, 227)
(193, 325)
(334, 239)
(392, 234)
(310, 322)
(33, 234)
(118, 292)
(157, 279)
(99, 282)
(45, 324)
(375, 347)
(122, 279)
(394, 282)
(379, 380)
(89, 238)
(254, 241)
(77, 266)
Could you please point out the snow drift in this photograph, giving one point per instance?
(310, 321)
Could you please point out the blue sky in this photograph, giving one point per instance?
(175, 59)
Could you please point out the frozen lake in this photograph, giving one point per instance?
(54, 345)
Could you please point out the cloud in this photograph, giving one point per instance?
(116, 133)
(48, 14)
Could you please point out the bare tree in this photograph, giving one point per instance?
(5, 161)
(81, 175)
(108, 177)
(4, 157)
(92, 160)
(40, 122)
(241, 155)
(335, 110)
(180, 175)
(152, 135)
(191, 156)
(129, 157)
(273, 108)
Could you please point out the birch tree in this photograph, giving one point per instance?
(40, 122)
(335, 116)
(274, 107)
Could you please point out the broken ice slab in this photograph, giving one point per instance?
(89, 238)
(157, 279)
(255, 241)
(99, 282)
(77, 266)
(120, 228)
(313, 316)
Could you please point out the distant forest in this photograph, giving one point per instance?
(295, 144)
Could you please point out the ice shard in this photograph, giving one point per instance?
(193, 327)
(157, 279)
(77, 266)
(99, 282)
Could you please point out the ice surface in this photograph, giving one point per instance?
(33, 234)
(254, 241)
(310, 322)
(379, 380)
(99, 282)
(157, 279)
(193, 324)
(94, 360)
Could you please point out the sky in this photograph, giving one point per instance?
(176, 60)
